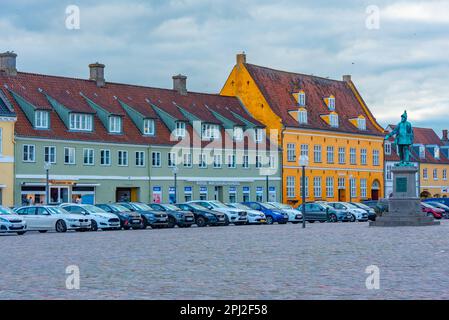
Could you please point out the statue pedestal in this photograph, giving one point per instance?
(404, 205)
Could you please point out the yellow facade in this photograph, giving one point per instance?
(7, 161)
(434, 184)
(241, 84)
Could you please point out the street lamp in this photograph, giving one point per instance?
(304, 162)
(175, 175)
(47, 167)
(350, 187)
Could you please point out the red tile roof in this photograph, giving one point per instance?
(67, 92)
(278, 88)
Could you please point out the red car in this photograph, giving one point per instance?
(430, 210)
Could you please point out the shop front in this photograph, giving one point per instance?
(59, 192)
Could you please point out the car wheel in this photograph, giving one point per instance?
(42, 231)
(60, 226)
(126, 228)
(333, 218)
(295, 222)
(171, 222)
(353, 218)
(311, 221)
(269, 220)
(93, 225)
(201, 222)
(226, 221)
(21, 233)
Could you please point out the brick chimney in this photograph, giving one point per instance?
(241, 58)
(445, 136)
(8, 63)
(347, 78)
(180, 84)
(97, 74)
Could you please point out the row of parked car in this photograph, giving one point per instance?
(135, 215)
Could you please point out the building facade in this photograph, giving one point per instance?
(106, 142)
(325, 120)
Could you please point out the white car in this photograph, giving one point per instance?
(235, 216)
(357, 213)
(254, 216)
(48, 218)
(11, 222)
(99, 218)
(294, 216)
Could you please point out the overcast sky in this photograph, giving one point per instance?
(401, 64)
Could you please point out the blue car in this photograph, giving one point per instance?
(272, 213)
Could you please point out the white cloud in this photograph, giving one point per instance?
(423, 11)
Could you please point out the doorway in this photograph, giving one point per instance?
(127, 195)
(375, 190)
(218, 193)
(59, 195)
(341, 195)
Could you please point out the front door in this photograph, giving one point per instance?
(375, 194)
(123, 195)
(218, 194)
(59, 195)
(341, 195)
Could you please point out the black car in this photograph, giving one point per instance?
(203, 216)
(128, 219)
(150, 217)
(380, 206)
(176, 216)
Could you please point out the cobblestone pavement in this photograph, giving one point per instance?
(324, 261)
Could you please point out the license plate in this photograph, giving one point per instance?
(221, 219)
(189, 219)
(263, 221)
(136, 221)
(84, 224)
(163, 219)
(17, 225)
(242, 218)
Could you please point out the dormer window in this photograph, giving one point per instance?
(210, 131)
(422, 152)
(148, 127)
(302, 116)
(387, 148)
(180, 131)
(437, 153)
(115, 124)
(333, 120)
(361, 123)
(331, 103)
(41, 119)
(80, 122)
(301, 98)
(238, 133)
(258, 135)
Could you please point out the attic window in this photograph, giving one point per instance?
(333, 120)
(331, 103)
(115, 124)
(361, 123)
(80, 122)
(180, 131)
(238, 133)
(388, 148)
(210, 131)
(148, 127)
(302, 116)
(41, 119)
(437, 153)
(422, 152)
(301, 98)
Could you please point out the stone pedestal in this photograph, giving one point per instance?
(404, 205)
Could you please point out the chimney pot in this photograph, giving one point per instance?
(97, 74)
(8, 63)
(180, 84)
(445, 135)
(241, 58)
(347, 78)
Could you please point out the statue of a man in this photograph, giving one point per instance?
(404, 138)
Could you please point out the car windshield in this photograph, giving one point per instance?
(119, 208)
(93, 209)
(56, 210)
(269, 205)
(281, 205)
(426, 205)
(239, 206)
(361, 205)
(171, 207)
(5, 211)
(196, 206)
(142, 206)
(217, 204)
(350, 206)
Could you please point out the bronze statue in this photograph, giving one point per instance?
(404, 137)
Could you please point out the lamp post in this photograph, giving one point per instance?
(304, 162)
(266, 184)
(175, 175)
(47, 167)
(350, 187)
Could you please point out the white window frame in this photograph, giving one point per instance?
(422, 152)
(80, 122)
(202, 161)
(363, 188)
(51, 156)
(341, 155)
(376, 158)
(231, 161)
(41, 121)
(187, 160)
(258, 161)
(122, 158)
(388, 174)
(218, 161)
(331, 103)
(103, 157)
(69, 152)
(258, 135)
(307, 186)
(333, 120)
(28, 155)
(90, 157)
(301, 98)
(329, 187)
(291, 152)
(291, 187)
(238, 133)
(435, 174)
(115, 124)
(171, 159)
(245, 161)
(317, 153)
(330, 154)
(140, 158)
(148, 127)
(304, 150)
(180, 130)
(317, 191)
(388, 148)
(425, 174)
(302, 116)
(363, 157)
(156, 159)
(361, 123)
(353, 156)
(210, 131)
(353, 187)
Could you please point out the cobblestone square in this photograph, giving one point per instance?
(324, 261)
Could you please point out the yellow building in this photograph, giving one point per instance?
(7, 120)
(326, 120)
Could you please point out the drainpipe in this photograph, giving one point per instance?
(282, 165)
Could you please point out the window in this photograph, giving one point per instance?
(363, 188)
(331, 103)
(171, 159)
(291, 152)
(341, 155)
(148, 127)
(272, 162)
(245, 161)
(258, 132)
(389, 175)
(203, 160)
(363, 157)
(1, 141)
(238, 133)
(140, 158)
(231, 161)
(187, 160)
(301, 98)
(341, 183)
(41, 119)
(353, 186)
(217, 161)
(258, 161)
(305, 150)
(317, 153)
(444, 174)
(422, 152)
(155, 159)
(29, 153)
(437, 153)
(425, 174)
(105, 157)
(291, 188)
(307, 186)
(88, 157)
(353, 155)
(115, 124)
(50, 154)
(435, 174)
(180, 129)
(376, 160)
(123, 158)
(329, 187)
(80, 122)
(361, 123)
(387, 148)
(302, 116)
(317, 187)
(330, 154)
(333, 120)
(209, 131)
(69, 155)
